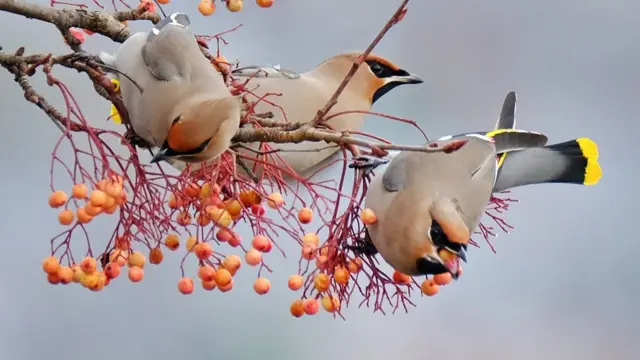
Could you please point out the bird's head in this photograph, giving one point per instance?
(376, 76)
(447, 239)
(201, 131)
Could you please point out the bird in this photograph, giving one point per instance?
(176, 100)
(569, 162)
(302, 95)
(428, 204)
(519, 161)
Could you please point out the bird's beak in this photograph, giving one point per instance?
(159, 156)
(407, 78)
(462, 254)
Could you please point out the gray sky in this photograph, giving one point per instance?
(562, 286)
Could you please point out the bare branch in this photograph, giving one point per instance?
(107, 24)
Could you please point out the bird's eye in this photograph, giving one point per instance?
(175, 120)
(437, 235)
(376, 68)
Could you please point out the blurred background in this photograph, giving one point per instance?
(562, 286)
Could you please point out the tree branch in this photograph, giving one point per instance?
(107, 24)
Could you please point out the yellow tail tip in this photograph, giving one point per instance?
(593, 172)
(115, 115)
(589, 148)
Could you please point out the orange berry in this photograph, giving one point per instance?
(191, 242)
(233, 207)
(260, 242)
(207, 273)
(110, 203)
(65, 274)
(208, 285)
(262, 285)
(295, 282)
(368, 217)
(235, 240)
(309, 251)
(341, 275)
(79, 191)
(136, 258)
(78, 274)
(175, 202)
(88, 265)
(192, 190)
(219, 216)
(221, 63)
(172, 242)
(223, 277)
(112, 270)
(120, 257)
(183, 218)
(206, 7)
(156, 256)
(65, 217)
(429, 287)
(355, 265)
(122, 199)
(148, 5)
(330, 303)
(203, 219)
(83, 217)
(297, 308)
(203, 250)
(322, 262)
(264, 3)
(249, 197)
(163, 2)
(400, 278)
(234, 5)
(57, 199)
(321, 282)
(275, 200)
(442, 279)
(135, 274)
(253, 257)
(185, 285)
(305, 215)
(232, 263)
(114, 189)
(53, 279)
(311, 238)
(92, 210)
(223, 235)
(97, 198)
(310, 306)
(225, 288)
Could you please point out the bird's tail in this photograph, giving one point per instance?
(569, 162)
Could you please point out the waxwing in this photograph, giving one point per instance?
(428, 204)
(179, 101)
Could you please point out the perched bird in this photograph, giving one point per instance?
(175, 98)
(569, 162)
(427, 204)
(517, 160)
(306, 93)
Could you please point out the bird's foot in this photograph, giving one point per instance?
(135, 140)
(367, 163)
(363, 246)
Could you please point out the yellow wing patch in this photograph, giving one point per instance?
(114, 114)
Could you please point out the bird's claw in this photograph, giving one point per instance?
(363, 246)
(367, 163)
